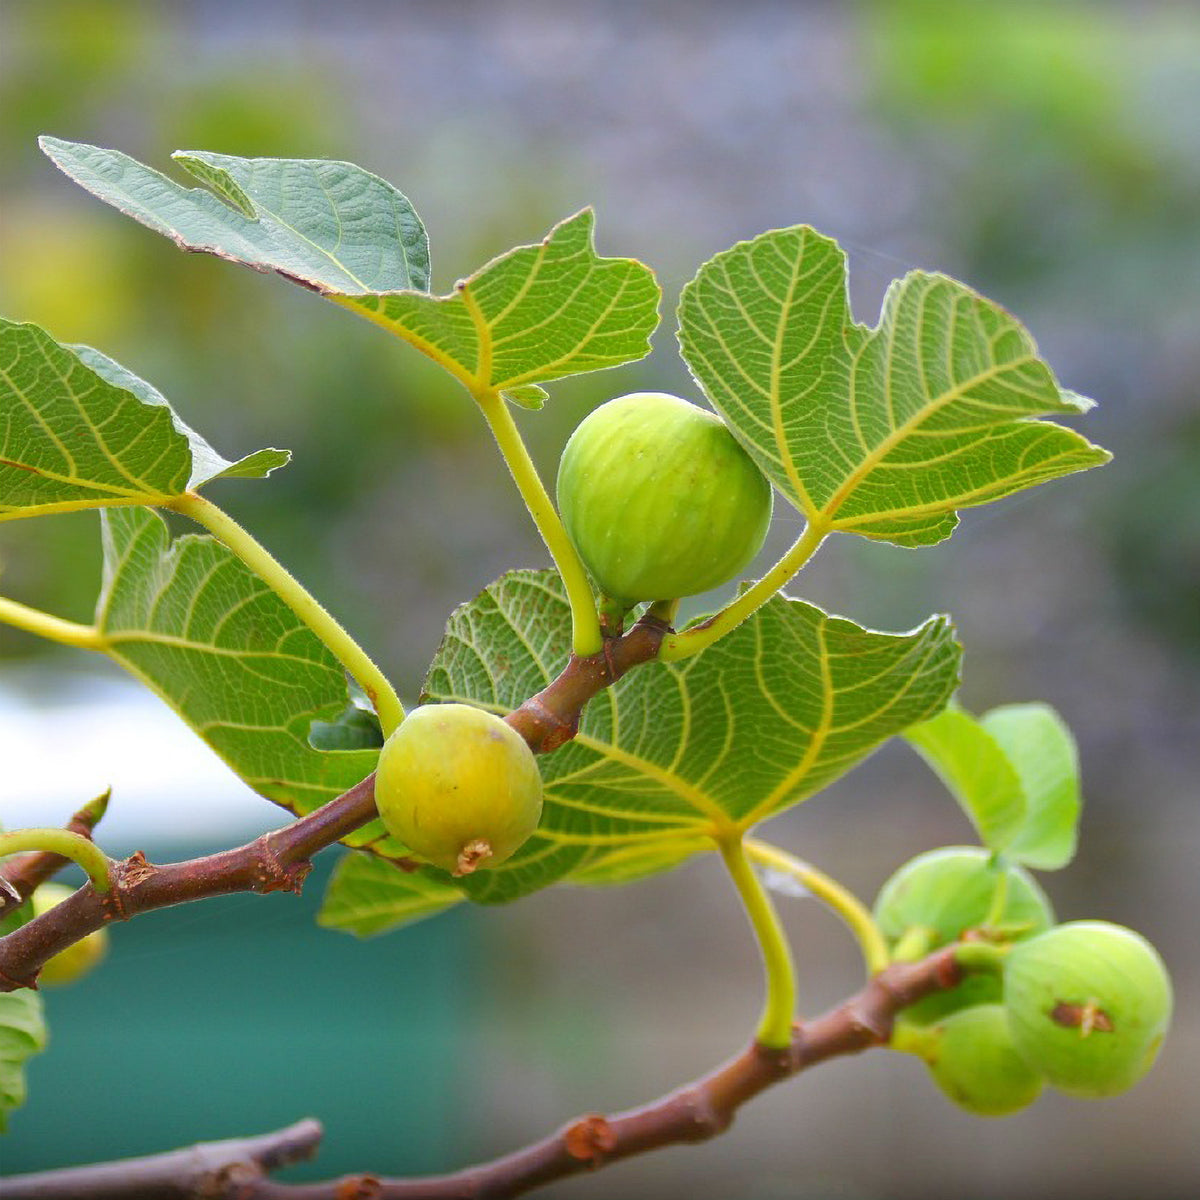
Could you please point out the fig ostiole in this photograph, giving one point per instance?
(659, 499)
(78, 958)
(945, 892)
(972, 1058)
(458, 786)
(1088, 1005)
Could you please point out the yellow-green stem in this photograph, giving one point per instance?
(33, 620)
(775, 1026)
(344, 648)
(691, 641)
(584, 619)
(831, 893)
(999, 895)
(65, 843)
(914, 943)
(921, 1040)
(985, 958)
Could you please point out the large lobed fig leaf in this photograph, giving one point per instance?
(534, 314)
(883, 432)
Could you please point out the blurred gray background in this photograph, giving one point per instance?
(1047, 154)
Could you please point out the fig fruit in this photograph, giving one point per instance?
(974, 1062)
(659, 499)
(458, 786)
(80, 957)
(947, 891)
(1088, 1005)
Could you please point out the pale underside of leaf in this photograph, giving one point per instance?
(534, 314)
(367, 896)
(328, 225)
(884, 432)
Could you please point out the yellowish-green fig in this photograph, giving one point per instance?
(458, 786)
(973, 1060)
(659, 498)
(1088, 1005)
(78, 958)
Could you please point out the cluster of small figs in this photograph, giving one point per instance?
(1082, 1006)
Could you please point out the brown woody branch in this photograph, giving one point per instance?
(551, 718)
(276, 861)
(279, 861)
(696, 1112)
(21, 874)
(208, 1169)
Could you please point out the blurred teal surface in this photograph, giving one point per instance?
(237, 1016)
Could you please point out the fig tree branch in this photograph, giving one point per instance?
(213, 1169)
(694, 1113)
(276, 861)
(551, 718)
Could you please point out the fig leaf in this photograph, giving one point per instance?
(537, 313)
(1014, 772)
(22, 1035)
(80, 431)
(330, 226)
(367, 895)
(884, 432)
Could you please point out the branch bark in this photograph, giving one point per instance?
(696, 1112)
(208, 1169)
(276, 861)
(551, 718)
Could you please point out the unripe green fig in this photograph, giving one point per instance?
(659, 499)
(458, 786)
(973, 1060)
(947, 891)
(1088, 1005)
(78, 958)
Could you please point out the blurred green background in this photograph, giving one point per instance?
(1048, 154)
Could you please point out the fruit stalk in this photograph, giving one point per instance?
(775, 1026)
(79, 849)
(585, 623)
(19, 878)
(691, 641)
(832, 894)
